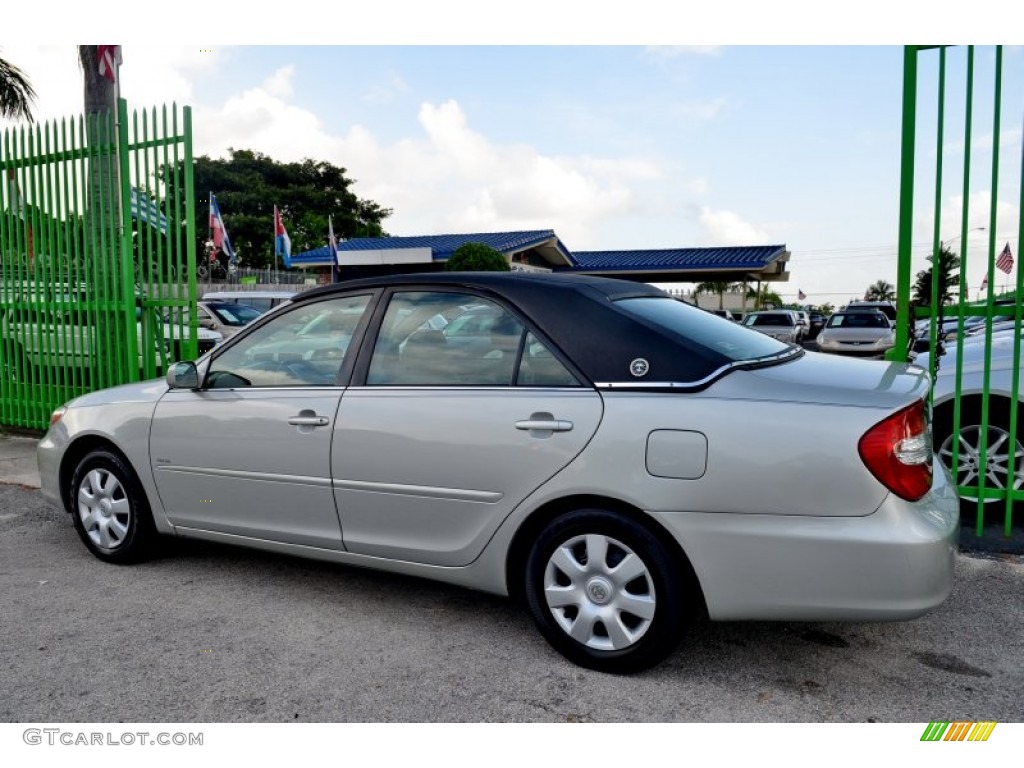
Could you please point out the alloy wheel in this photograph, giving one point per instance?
(969, 468)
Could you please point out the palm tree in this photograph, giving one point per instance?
(16, 94)
(764, 297)
(721, 288)
(880, 290)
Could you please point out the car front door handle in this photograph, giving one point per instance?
(308, 419)
(547, 425)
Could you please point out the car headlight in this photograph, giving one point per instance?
(58, 414)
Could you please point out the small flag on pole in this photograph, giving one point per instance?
(332, 241)
(800, 295)
(109, 57)
(218, 233)
(984, 282)
(282, 243)
(1005, 260)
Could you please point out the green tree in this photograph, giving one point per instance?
(476, 257)
(721, 288)
(948, 277)
(16, 94)
(249, 184)
(765, 298)
(881, 290)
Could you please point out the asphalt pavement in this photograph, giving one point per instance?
(213, 633)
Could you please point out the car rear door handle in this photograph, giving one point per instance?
(547, 425)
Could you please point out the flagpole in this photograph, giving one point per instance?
(276, 276)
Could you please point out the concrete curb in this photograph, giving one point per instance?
(18, 461)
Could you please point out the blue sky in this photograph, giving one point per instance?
(612, 146)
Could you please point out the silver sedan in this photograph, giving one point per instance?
(861, 333)
(619, 461)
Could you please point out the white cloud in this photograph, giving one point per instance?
(729, 228)
(280, 83)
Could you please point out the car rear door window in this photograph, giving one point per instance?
(482, 344)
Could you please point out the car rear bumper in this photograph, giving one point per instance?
(896, 563)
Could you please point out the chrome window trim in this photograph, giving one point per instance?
(789, 354)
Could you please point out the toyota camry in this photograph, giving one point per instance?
(619, 461)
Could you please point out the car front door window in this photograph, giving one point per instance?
(283, 353)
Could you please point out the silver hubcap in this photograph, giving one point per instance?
(103, 509)
(600, 592)
(969, 467)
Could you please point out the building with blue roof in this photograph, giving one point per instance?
(543, 250)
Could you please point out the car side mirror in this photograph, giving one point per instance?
(183, 376)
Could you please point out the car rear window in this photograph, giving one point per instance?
(725, 338)
(785, 320)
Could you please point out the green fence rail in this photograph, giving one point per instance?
(97, 256)
(953, 107)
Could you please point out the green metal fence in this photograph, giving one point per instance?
(956, 130)
(97, 256)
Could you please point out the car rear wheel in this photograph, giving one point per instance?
(999, 443)
(110, 510)
(605, 592)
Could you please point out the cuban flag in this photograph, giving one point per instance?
(218, 233)
(282, 243)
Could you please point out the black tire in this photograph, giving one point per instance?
(616, 640)
(970, 431)
(110, 510)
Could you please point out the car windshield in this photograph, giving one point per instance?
(234, 314)
(859, 320)
(704, 329)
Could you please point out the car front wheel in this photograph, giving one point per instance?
(110, 510)
(605, 592)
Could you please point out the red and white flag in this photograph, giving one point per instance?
(1005, 260)
(109, 57)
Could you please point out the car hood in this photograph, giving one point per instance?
(139, 392)
(828, 379)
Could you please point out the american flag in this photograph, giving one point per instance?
(1005, 260)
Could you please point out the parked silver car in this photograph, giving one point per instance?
(617, 459)
(781, 324)
(865, 333)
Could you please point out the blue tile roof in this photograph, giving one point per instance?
(754, 257)
(732, 257)
(442, 246)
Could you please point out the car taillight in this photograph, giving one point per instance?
(898, 451)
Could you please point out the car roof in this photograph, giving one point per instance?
(567, 309)
(220, 295)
